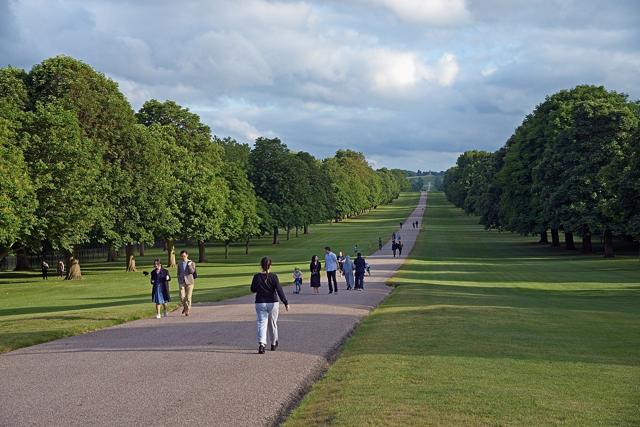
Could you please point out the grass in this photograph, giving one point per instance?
(490, 328)
(34, 311)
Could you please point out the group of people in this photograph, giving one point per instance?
(266, 286)
(160, 279)
(353, 272)
(44, 267)
(396, 243)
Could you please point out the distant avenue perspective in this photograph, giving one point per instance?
(287, 213)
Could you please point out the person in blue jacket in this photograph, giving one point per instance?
(160, 287)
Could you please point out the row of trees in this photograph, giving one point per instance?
(572, 166)
(79, 166)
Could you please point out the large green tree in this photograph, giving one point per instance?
(202, 191)
(17, 198)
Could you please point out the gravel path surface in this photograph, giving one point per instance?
(197, 370)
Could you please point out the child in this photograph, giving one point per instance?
(367, 268)
(297, 280)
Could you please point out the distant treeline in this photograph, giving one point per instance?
(572, 166)
(79, 166)
(425, 173)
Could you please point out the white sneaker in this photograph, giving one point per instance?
(158, 316)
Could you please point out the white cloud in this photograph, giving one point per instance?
(393, 70)
(432, 12)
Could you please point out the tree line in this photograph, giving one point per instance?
(572, 167)
(78, 166)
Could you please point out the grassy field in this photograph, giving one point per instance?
(34, 311)
(489, 328)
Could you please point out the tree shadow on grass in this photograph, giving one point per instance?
(595, 326)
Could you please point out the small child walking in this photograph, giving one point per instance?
(297, 280)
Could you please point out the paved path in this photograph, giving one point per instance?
(200, 370)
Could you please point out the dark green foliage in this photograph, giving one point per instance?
(570, 166)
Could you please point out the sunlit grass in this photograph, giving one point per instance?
(33, 311)
(489, 328)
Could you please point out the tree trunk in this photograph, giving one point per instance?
(608, 244)
(555, 238)
(288, 231)
(141, 248)
(297, 230)
(246, 247)
(226, 249)
(112, 254)
(275, 235)
(587, 248)
(568, 241)
(544, 237)
(171, 253)
(73, 264)
(131, 259)
(306, 229)
(22, 260)
(201, 252)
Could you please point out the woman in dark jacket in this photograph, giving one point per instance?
(314, 267)
(267, 288)
(160, 290)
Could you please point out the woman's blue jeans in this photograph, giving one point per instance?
(267, 317)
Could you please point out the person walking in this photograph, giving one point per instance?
(380, 243)
(360, 266)
(60, 269)
(297, 280)
(400, 226)
(45, 270)
(267, 288)
(347, 269)
(160, 287)
(340, 262)
(186, 281)
(330, 266)
(314, 267)
(394, 248)
(399, 249)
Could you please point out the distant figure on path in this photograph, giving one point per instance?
(297, 280)
(314, 267)
(367, 268)
(267, 288)
(355, 249)
(60, 269)
(45, 270)
(348, 272)
(160, 291)
(394, 247)
(400, 226)
(340, 262)
(400, 249)
(361, 267)
(331, 265)
(186, 281)
(379, 243)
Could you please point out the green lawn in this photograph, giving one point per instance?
(34, 311)
(489, 328)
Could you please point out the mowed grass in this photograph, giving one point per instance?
(489, 328)
(34, 311)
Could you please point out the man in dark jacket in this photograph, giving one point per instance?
(361, 266)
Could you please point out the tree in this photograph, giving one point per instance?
(203, 192)
(104, 117)
(17, 197)
(63, 165)
(269, 167)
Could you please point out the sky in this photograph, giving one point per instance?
(410, 83)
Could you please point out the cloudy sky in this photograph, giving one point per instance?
(411, 83)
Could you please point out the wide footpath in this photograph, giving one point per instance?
(198, 370)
